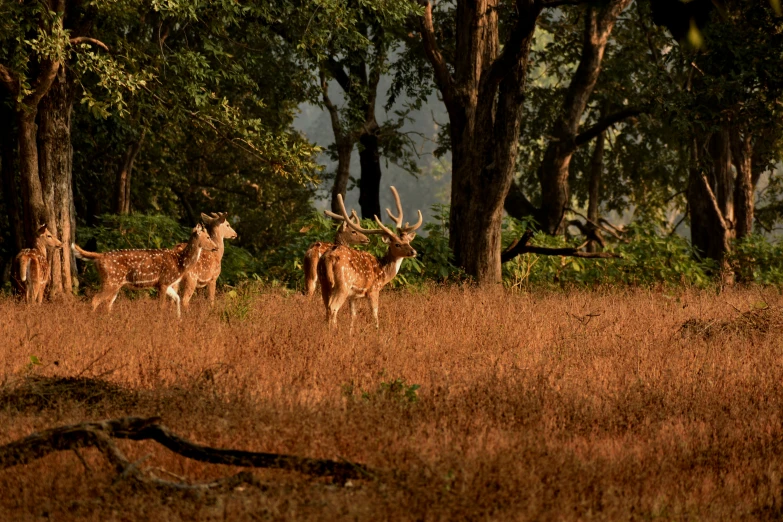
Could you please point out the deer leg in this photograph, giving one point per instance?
(353, 314)
(211, 290)
(40, 287)
(311, 275)
(374, 306)
(188, 287)
(175, 296)
(336, 301)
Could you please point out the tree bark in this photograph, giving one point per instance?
(553, 172)
(742, 153)
(483, 96)
(370, 185)
(594, 186)
(710, 230)
(55, 170)
(344, 141)
(122, 183)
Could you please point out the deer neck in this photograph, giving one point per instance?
(390, 265)
(217, 238)
(40, 245)
(189, 256)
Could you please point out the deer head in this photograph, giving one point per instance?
(347, 235)
(200, 238)
(43, 234)
(218, 224)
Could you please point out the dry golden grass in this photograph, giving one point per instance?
(568, 406)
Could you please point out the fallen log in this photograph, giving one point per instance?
(100, 435)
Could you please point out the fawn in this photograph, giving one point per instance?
(33, 265)
(161, 269)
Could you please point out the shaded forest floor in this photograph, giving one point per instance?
(581, 405)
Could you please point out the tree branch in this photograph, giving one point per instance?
(560, 3)
(513, 48)
(339, 74)
(605, 123)
(442, 74)
(7, 79)
(520, 247)
(86, 39)
(99, 435)
(42, 83)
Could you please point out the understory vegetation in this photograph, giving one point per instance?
(466, 404)
(649, 255)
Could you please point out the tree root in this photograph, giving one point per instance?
(99, 435)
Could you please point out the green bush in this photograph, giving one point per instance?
(758, 259)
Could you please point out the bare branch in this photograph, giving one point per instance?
(86, 39)
(605, 123)
(442, 74)
(520, 247)
(99, 435)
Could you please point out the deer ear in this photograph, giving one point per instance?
(206, 219)
(41, 229)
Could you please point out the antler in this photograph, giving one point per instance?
(356, 226)
(407, 229)
(338, 217)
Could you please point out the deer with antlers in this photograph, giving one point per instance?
(351, 274)
(207, 269)
(33, 264)
(344, 236)
(161, 269)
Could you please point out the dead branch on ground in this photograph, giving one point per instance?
(99, 435)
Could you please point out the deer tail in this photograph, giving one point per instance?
(83, 254)
(24, 268)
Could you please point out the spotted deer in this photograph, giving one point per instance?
(207, 269)
(351, 274)
(161, 269)
(33, 265)
(345, 236)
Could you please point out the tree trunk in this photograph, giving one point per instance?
(710, 231)
(55, 171)
(742, 153)
(370, 185)
(553, 172)
(343, 173)
(122, 183)
(9, 172)
(35, 212)
(594, 185)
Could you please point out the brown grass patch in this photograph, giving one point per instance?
(579, 405)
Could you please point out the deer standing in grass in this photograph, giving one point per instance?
(207, 269)
(33, 265)
(351, 274)
(344, 236)
(161, 269)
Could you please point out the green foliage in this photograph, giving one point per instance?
(758, 259)
(649, 258)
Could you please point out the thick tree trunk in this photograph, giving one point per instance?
(370, 185)
(35, 212)
(711, 232)
(553, 172)
(122, 182)
(55, 170)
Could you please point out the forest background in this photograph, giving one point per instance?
(546, 142)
